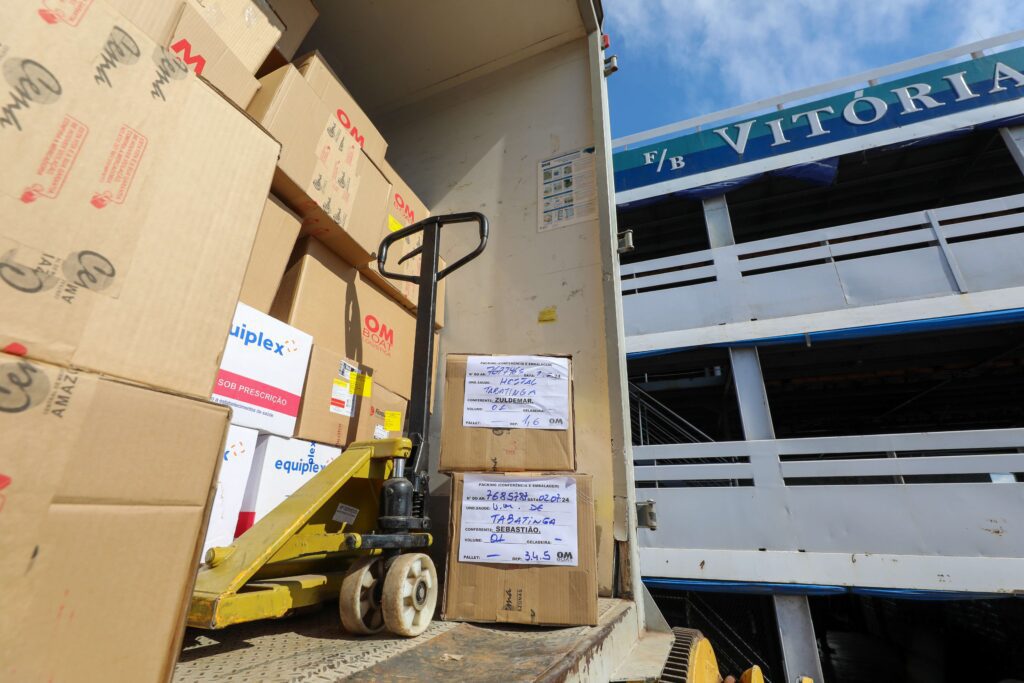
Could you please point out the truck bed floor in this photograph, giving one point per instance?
(312, 648)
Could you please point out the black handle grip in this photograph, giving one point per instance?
(440, 222)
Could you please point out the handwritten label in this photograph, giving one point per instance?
(516, 392)
(519, 520)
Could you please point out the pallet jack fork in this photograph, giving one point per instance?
(343, 534)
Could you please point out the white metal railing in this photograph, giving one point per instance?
(798, 507)
(864, 78)
(951, 250)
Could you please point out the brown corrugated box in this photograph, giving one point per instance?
(329, 88)
(322, 174)
(521, 594)
(275, 239)
(322, 295)
(338, 408)
(481, 449)
(128, 208)
(105, 493)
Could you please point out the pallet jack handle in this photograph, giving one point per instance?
(418, 427)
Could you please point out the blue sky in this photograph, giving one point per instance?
(683, 58)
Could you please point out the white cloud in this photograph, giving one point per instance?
(744, 50)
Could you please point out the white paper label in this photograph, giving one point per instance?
(519, 520)
(379, 432)
(342, 400)
(566, 190)
(516, 392)
(345, 514)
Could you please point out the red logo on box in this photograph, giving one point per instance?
(68, 11)
(120, 168)
(198, 62)
(60, 156)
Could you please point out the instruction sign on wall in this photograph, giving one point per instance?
(519, 520)
(567, 190)
(516, 392)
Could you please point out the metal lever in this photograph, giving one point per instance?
(404, 495)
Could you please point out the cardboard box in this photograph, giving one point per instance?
(382, 415)
(280, 467)
(298, 17)
(262, 372)
(333, 386)
(275, 239)
(328, 87)
(322, 175)
(520, 593)
(216, 39)
(331, 300)
(106, 487)
(498, 450)
(239, 451)
(341, 404)
(128, 205)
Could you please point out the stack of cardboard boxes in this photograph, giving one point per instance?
(131, 197)
(320, 352)
(522, 531)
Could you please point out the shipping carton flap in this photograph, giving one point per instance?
(199, 46)
(298, 17)
(275, 239)
(250, 28)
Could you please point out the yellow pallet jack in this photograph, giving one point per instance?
(309, 549)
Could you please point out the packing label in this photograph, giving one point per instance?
(361, 385)
(392, 420)
(516, 392)
(345, 514)
(342, 398)
(519, 520)
(379, 432)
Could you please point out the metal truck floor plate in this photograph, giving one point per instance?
(312, 648)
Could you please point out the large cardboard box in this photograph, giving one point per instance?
(129, 199)
(236, 463)
(328, 87)
(323, 174)
(263, 371)
(275, 239)
(524, 593)
(106, 487)
(298, 17)
(495, 449)
(326, 297)
(381, 415)
(280, 468)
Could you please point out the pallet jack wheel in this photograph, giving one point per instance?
(410, 594)
(359, 599)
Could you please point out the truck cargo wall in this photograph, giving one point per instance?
(476, 147)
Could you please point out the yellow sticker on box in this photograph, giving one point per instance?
(393, 420)
(361, 385)
(393, 224)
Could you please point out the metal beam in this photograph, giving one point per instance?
(796, 633)
(716, 216)
(1014, 139)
